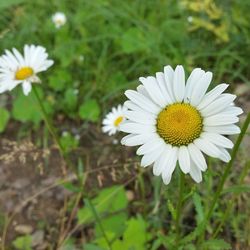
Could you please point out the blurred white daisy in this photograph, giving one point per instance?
(190, 19)
(177, 121)
(113, 120)
(59, 19)
(22, 69)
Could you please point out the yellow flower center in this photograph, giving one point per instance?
(24, 73)
(118, 120)
(179, 124)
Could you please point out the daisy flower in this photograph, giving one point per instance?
(59, 19)
(18, 69)
(190, 19)
(113, 120)
(177, 121)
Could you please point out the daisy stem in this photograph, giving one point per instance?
(98, 221)
(179, 206)
(224, 176)
(52, 129)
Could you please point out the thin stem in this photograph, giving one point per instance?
(226, 173)
(229, 205)
(179, 206)
(98, 221)
(52, 129)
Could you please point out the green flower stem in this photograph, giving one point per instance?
(225, 174)
(179, 206)
(98, 221)
(230, 204)
(52, 129)
(64, 155)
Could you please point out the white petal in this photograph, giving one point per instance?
(142, 101)
(150, 146)
(151, 157)
(136, 128)
(212, 95)
(19, 57)
(218, 139)
(160, 164)
(153, 90)
(201, 88)
(184, 159)
(133, 106)
(224, 156)
(26, 87)
(195, 172)
(179, 83)
(142, 90)
(197, 157)
(135, 140)
(207, 147)
(168, 170)
(169, 78)
(162, 85)
(218, 105)
(232, 111)
(140, 117)
(192, 80)
(224, 130)
(219, 119)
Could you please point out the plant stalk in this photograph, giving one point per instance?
(53, 131)
(179, 206)
(225, 175)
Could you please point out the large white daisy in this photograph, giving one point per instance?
(177, 121)
(113, 120)
(22, 69)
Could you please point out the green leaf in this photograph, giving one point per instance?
(68, 142)
(70, 100)
(198, 207)
(90, 110)
(115, 224)
(216, 244)
(92, 247)
(4, 118)
(135, 226)
(71, 187)
(23, 242)
(109, 200)
(26, 108)
(237, 189)
(59, 80)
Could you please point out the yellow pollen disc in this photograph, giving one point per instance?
(118, 120)
(24, 73)
(179, 124)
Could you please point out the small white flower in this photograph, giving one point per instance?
(113, 120)
(65, 133)
(115, 141)
(81, 58)
(59, 19)
(190, 19)
(176, 120)
(77, 137)
(76, 91)
(22, 69)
